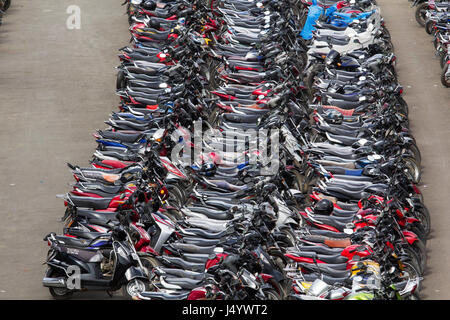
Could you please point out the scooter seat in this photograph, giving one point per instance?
(185, 283)
(201, 241)
(324, 269)
(88, 202)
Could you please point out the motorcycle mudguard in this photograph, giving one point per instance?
(133, 273)
(411, 237)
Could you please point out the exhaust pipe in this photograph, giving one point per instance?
(54, 282)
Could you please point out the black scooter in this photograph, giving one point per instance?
(106, 263)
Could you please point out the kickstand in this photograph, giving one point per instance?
(109, 293)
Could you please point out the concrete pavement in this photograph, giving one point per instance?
(56, 87)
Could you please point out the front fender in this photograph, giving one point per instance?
(133, 273)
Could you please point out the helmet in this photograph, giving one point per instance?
(333, 116)
(324, 207)
(149, 5)
(153, 23)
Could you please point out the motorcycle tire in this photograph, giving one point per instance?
(410, 271)
(413, 170)
(421, 251)
(6, 5)
(58, 293)
(429, 27)
(420, 13)
(443, 60)
(133, 287)
(422, 213)
(271, 294)
(120, 83)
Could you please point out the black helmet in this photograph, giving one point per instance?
(324, 207)
(149, 5)
(119, 233)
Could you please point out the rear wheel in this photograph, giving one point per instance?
(59, 293)
(412, 170)
(421, 13)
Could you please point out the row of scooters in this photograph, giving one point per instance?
(261, 151)
(434, 17)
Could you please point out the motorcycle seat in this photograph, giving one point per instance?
(320, 249)
(192, 248)
(325, 278)
(195, 257)
(201, 241)
(206, 234)
(211, 213)
(171, 272)
(86, 186)
(102, 216)
(88, 202)
(179, 262)
(337, 259)
(122, 137)
(325, 269)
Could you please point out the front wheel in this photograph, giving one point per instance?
(429, 26)
(271, 294)
(131, 289)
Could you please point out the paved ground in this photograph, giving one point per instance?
(429, 104)
(57, 87)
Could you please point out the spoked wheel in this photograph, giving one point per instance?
(409, 272)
